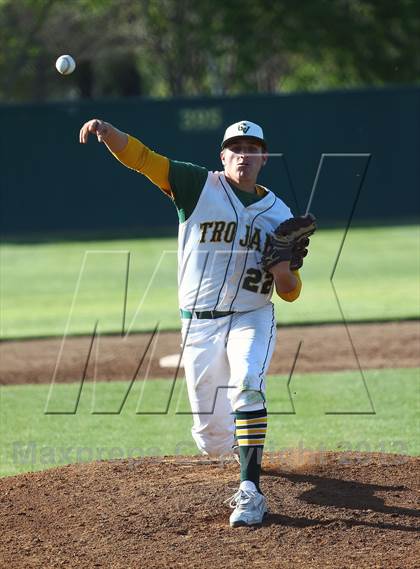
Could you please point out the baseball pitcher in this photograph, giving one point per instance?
(237, 243)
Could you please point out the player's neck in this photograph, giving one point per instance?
(244, 185)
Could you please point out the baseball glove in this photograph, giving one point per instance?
(289, 242)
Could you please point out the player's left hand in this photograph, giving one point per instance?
(289, 242)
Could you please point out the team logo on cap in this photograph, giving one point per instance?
(244, 127)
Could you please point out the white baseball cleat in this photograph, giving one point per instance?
(249, 506)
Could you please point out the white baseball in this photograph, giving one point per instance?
(65, 64)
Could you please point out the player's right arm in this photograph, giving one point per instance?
(105, 132)
(129, 151)
(181, 181)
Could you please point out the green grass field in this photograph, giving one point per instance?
(33, 440)
(47, 289)
(52, 288)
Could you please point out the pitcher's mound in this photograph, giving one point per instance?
(326, 510)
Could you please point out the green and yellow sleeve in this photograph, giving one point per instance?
(293, 294)
(181, 181)
(140, 158)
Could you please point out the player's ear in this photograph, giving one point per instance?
(265, 158)
(222, 156)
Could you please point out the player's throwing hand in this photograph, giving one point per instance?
(94, 126)
(115, 139)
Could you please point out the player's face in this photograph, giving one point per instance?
(243, 160)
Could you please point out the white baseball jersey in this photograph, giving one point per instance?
(219, 248)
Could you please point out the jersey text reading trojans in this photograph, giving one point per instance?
(216, 231)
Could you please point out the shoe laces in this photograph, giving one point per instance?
(240, 498)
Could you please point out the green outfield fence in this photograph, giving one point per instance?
(50, 183)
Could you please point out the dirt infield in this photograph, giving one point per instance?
(322, 348)
(329, 510)
(338, 510)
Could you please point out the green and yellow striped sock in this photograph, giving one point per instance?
(251, 427)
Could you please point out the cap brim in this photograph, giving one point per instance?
(229, 141)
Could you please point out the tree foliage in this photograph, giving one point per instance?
(183, 47)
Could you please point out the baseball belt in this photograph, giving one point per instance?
(206, 314)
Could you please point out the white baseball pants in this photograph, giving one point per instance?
(225, 362)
